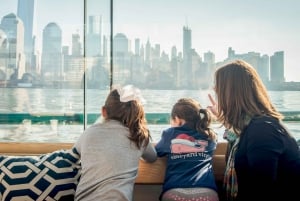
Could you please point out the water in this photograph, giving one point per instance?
(59, 101)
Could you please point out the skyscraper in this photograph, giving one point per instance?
(94, 36)
(264, 68)
(25, 12)
(14, 30)
(186, 72)
(187, 41)
(121, 58)
(277, 67)
(148, 54)
(3, 57)
(76, 45)
(52, 53)
(137, 46)
(95, 23)
(105, 49)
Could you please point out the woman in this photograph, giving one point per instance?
(265, 159)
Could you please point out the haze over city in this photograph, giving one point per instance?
(247, 26)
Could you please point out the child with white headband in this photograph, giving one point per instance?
(110, 150)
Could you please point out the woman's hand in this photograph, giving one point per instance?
(213, 108)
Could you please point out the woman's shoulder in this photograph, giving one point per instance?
(264, 118)
(266, 128)
(264, 121)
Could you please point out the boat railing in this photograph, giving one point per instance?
(79, 118)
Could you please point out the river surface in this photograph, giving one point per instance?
(59, 101)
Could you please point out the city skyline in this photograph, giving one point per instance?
(210, 32)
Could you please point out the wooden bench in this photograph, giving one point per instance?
(150, 176)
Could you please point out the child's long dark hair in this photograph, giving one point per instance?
(131, 114)
(195, 117)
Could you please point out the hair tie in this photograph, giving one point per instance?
(202, 113)
(130, 93)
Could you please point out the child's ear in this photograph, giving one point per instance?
(104, 112)
(175, 121)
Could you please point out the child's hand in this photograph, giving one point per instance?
(213, 108)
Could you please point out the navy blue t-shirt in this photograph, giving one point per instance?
(189, 158)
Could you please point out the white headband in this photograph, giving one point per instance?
(129, 93)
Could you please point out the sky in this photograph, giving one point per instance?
(247, 26)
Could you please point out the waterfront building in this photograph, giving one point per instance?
(15, 60)
(3, 57)
(76, 45)
(263, 68)
(137, 42)
(52, 69)
(105, 50)
(277, 67)
(210, 60)
(122, 72)
(94, 36)
(25, 12)
(148, 55)
(186, 72)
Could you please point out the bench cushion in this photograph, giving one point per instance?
(53, 176)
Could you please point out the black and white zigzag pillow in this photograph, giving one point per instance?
(50, 177)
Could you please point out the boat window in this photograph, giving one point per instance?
(59, 58)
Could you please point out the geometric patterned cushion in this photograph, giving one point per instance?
(50, 177)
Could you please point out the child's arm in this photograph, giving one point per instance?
(149, 154)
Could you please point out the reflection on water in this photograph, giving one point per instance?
(30, 100)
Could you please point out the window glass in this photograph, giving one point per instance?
(51, 67)
(56, 68)
(97, 55)
(171, 49)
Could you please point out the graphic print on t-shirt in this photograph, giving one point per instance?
(184, 143)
